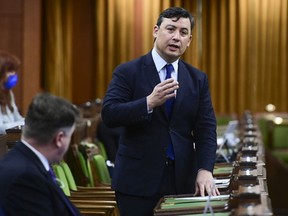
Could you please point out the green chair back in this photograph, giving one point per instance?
(102, 150)
(90, 174)
(102, 169)
(281, 155)
(69, 176)
(280, 136)
(86, 168)
(82, 163)
(61, 179)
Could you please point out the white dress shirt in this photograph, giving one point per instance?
(41, 157)
(160, 64)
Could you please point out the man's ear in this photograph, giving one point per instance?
(155, 31)
(58, 138)
(189, 41)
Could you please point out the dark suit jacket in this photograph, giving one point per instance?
(26, 187)
(141, 154)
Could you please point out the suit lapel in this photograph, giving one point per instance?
(150, 71)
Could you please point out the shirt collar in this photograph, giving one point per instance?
(160, 62)
(41, 157)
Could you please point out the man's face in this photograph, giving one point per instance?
(172, 38)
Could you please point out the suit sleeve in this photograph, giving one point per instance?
(205, 130)
(119, 106)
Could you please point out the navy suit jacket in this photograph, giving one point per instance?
(26, 187)
(142, 148)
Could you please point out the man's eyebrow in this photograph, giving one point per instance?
(171, 25)
(185, 29)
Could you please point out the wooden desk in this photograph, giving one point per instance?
(13, 136)
(3, 146)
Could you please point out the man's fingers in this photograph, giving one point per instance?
(165, 82)
(212, 190)
(202, 190)
(208, 190)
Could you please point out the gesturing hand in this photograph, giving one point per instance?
(162, 92)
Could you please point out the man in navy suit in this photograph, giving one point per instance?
(27, 188)
(159, 153)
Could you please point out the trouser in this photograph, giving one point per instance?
(143, 206)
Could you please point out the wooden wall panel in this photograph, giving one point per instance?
(31, 51)
(20, 23)
(83, 54)
(11, 36)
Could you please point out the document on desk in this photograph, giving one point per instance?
(194, 202)
(197, 199)
(222, 183)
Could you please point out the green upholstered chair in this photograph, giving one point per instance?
(102, 169)
(281, 155)
(86, 168)
(69, 176)
(102, 150)
(279, 141)
(61, 179)
(96, 199)
(96, 170)
(280, 136)
(90, 174)
(82, 163)
(72, 184)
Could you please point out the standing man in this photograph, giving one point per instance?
(27, 185)
(169, 140)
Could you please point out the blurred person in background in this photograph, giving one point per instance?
(9, 114)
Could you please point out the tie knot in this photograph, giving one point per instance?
(169, 69)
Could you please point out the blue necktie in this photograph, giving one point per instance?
(169, 107)
(53, 176)
(170, 102)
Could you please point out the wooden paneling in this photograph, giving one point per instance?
(84, 84)
(11, 16)
(20, 35)
(31, 51)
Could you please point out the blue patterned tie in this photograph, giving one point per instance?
(169, 107)
(52, 174)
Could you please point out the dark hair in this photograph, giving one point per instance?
(8, 62)
(177, 13)
(47, 114)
